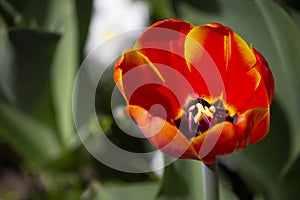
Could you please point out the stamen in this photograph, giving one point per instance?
(202, 115)
(192, 108)
(208, 113)
(212, 109)
(197, 117)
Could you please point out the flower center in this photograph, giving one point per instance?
(202, 115)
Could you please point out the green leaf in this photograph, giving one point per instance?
(290, 183)
(161, 9)
(24, 14)
(7, 12)
(27, 119)
(32, 53)
(62, 18)
(295, 14)
(83, 10)
(26, 58)
(286, 38)
(145, 191)
(96, 192)
(6, 61)
(35, 141)
(182, 180)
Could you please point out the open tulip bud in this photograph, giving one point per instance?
(196, 91)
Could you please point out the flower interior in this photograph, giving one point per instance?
(200, 115)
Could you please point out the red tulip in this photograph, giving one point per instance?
(196, 91)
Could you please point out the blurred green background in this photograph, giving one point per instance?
(43, 43)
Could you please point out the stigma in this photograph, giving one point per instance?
(202, 115)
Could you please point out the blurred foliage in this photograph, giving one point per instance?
(41, 48)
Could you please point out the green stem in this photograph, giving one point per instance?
(210, 181)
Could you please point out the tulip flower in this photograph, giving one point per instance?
(196, 92)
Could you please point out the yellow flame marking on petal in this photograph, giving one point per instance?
(118, 75)
(152, 66)
(227, 50)
(193, 45)
(180, 113)
(246, 51)
(254, 73)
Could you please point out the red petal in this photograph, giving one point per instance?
(225, 138)
(145, 83)
(174, 24)
(232, 76)
(259, 99)
(162, 134)
(157, 99)
(267, 76)
(221, 139)
(181, 79)
(142, 84)
(163, 45)
(168, 35)
(254, 124)
(264, 94)
(126, 69)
